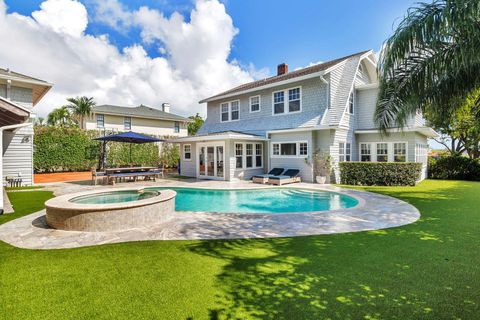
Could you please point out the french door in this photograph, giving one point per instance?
(210, 161)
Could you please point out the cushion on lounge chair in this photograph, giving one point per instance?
(290, 173)
(276, 171)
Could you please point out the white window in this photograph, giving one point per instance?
(225, 112)
(238, 155)
(399, 152)
(276, 149)
(234, 110)
(127, 123)
(278, 102)
(258, 155)
(255, 104)
(294, 100)
(290, 149)
(382, 152)
(100, 121)
(249, 155)
(421, 151)
(351, 102)
(365, 152)
(344, 151)
(294, 96)
(303, 148)
(230, 111)
(187, 152)
(176, 127)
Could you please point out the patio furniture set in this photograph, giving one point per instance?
(112, 175)
(278, 176)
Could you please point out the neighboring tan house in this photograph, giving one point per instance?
(141, 119)
(280, 121)
(18, 95)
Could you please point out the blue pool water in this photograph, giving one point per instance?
(115, 197)
(268, 201)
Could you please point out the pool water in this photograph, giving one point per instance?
(267, 201)
(115, 197)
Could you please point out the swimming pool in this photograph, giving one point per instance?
(266, 201)
(115, 197)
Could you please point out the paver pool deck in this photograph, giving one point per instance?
(374, 211)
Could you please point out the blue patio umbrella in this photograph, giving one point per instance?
(129, 137)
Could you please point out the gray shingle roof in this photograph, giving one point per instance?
(141, 111)
(290, 75)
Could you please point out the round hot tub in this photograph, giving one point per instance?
(110, 210)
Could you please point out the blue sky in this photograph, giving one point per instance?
(273, 31)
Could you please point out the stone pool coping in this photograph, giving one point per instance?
(374, 211)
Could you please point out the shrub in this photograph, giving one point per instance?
(64, 149)
(118, 154)
(454, 168)
(380, 173)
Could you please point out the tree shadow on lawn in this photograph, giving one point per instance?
(415, 271)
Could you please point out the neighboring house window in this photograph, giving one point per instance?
(255, 104)
(382, 152)
(187, 152)
(176, 127)
(294, 101)
(258, 155)
(344, 151)
(225, 112)
(365, 152)
(303, 148)
(239, 155)
(351, 102)
(127, 123)
(100, 121)
(249, 155)
(400, 152)
(230, 111)
(290, 149)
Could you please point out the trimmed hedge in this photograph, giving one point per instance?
(454, 168)
(71, 149)
(380, 173)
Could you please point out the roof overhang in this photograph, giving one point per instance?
(11, 113)
(323, 127)
(218, 137)
(367, 86)
(39, 88)
(426, 131)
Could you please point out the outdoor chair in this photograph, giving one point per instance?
(289, 176)
(97, 174)
(263, 178)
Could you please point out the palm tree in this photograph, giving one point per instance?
(40, 122)
(431, 61)
(81, 107)
(60, 117)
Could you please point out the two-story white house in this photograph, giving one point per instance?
(18, 95)
(280, 121)
(141, 119)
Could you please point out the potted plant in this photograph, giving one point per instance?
(321, 166)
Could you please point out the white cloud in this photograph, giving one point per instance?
(53, 46)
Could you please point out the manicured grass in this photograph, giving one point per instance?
(23, 188)
(25, 202)
(426, 270)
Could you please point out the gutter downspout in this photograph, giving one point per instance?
(14, 126)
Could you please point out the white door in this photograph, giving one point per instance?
(210, 161)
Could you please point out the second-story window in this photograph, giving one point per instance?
(100, 121)
(292, 96)
(351, 103)
(255, 104)
(127, 123)
(230, 111)
(176, 127)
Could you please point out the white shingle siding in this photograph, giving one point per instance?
(366, 102)
(18, 155)
(22, 96)
(188, 167)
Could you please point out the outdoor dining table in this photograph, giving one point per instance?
(113, 172)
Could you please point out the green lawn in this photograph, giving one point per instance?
(426, 270)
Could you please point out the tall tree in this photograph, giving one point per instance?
(431, 59)
(60, 117)
(195, 125)
(40, 122)
(81, 107)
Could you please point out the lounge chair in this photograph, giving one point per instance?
(263, 178)
(289, 176)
